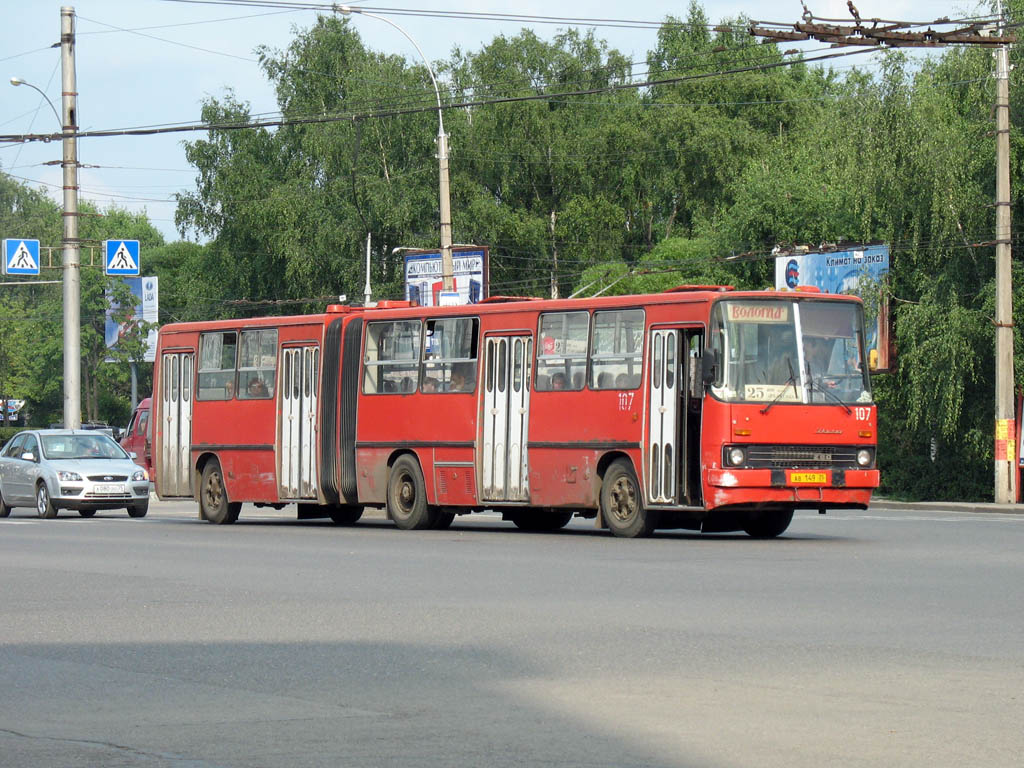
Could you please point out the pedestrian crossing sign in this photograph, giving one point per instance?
(21, 257)
(121, 257)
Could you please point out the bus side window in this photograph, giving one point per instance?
(562, 350)
(257, 364)
(391, 357)
(616, 353)
(450, 355)
(217, 365)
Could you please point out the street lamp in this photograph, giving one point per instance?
(19, 81)
(71, 261)
(447, 267)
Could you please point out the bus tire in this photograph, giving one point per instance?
(345, 514)
(213, 497)
(442, 520)
(541, 522)
(769, 524)
(407, 495)
(622, 503)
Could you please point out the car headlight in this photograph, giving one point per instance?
(864, 457)
(140, 474)
(736, 456)
(69, 477)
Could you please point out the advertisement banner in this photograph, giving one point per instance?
(853, 270)
(147, 306)
(424, 283)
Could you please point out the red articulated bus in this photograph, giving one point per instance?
(702, 408)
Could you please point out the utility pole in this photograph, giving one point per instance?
(72, 260)
(1005, 474)
(892, 34)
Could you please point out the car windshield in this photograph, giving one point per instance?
(81, 447)
(790, 351)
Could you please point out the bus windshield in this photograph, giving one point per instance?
(790, 351)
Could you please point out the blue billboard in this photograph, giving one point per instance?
(855, 270)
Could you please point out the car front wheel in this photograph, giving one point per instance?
(44, 505)
(5, 509)
(139, 510)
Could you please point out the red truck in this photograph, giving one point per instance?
(137, 438)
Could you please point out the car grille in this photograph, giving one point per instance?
(799, 456)
(108, 478)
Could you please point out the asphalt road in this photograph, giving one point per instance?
(883, 638)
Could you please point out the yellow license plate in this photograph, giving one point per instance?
(808, 478)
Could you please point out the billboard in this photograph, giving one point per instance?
(424, 283)
(852, 270)
(147, 305)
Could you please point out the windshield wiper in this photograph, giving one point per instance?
(792, 380)
(824, 390)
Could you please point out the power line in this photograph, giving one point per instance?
(416, 110)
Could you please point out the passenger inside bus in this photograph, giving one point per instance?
(558, 381)
(459, 381)
(257, 388)
(430, 384)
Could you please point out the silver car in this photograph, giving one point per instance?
(52, 469)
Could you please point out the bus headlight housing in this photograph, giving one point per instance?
(736, 456)
(865, 457)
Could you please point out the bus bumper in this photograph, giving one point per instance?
(847, 488)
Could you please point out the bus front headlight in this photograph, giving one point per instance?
(736, 456)
(864, 457)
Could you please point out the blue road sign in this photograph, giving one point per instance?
(21, 257)
(121, 257)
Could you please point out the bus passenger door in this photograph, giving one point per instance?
(506, 410)
(667, 378)
(175, 471)
(297, 403)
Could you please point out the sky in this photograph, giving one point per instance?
(148, 62)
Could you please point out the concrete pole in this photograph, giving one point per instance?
(72, 262)
(1005, 465)
(447, 265)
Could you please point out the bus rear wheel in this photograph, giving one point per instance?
(622, 503)
(536, 521)
(769, 524)
(407, 495)
(213, 497)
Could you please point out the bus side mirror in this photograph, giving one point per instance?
(708, 366)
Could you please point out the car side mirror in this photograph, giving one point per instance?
(709, 366)
(28, 456)
(133, 455)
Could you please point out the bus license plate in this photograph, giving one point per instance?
(808, 478)
(108, 488)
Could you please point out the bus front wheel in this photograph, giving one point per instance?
(407, 495)
(622, 503)
(213, 497)
(769, 524)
